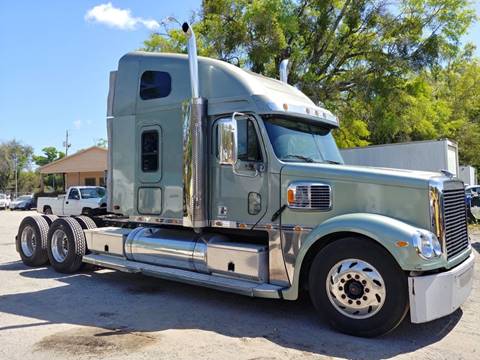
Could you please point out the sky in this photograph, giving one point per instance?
(55, 59)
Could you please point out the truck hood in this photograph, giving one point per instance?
(365, 174)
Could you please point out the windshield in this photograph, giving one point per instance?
(294, 140)
(91, 193)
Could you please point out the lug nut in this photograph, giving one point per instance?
(358, 302)
(364, 298)
(340, 288)
(342, 280)
(350, 301)
(357, 277)
(367, 290)
(343, 296)
(364, 282)
(349, 276)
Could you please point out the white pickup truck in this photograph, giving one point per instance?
(79, 200)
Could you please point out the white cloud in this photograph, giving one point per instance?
(118, 18)
(77, 124)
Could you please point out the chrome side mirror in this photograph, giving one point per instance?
(227, 141)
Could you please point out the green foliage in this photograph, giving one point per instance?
(50, 154)
(101, 143)
(390, 71)
(13, 153)
(28, 182)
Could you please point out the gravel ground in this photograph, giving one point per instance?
(112, 315)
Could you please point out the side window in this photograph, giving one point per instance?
(74, 194)
(155, 85)
(150, 151)
(248, 144)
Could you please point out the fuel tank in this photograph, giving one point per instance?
(182, 249)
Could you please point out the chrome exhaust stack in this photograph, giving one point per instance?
(284, 71)
(194, 146)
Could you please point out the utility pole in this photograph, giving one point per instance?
(15, 161)
(66, 144)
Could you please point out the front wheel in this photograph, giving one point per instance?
(358, 287)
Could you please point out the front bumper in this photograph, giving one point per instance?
(438, 295)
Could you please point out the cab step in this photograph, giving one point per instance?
(238, 286)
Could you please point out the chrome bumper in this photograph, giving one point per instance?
(438, 295)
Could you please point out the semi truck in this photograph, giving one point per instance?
(223, 178)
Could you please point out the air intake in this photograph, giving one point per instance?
(310, 196)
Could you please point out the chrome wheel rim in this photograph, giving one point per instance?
(59, 245)
(355, 288)
(28, 241)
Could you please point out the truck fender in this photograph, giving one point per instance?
(387, 231)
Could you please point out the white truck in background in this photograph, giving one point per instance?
(79, 200)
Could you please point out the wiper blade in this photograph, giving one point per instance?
(331, 162)
(301, 157)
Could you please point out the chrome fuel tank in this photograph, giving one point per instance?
(182, 249)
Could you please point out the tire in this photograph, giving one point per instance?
(47, 210)
(349, 305)
(66, 245)
(86, 222)
(50, 218)
(31, 241)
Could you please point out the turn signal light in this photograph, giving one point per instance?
(290, 196)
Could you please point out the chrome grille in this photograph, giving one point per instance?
(312, 196)
(455, 220)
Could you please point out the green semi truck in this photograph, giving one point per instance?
(224, 178)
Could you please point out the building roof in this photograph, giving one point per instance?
(88, 160)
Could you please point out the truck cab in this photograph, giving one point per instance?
(224, 178)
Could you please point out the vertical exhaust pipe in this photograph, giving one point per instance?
(284, 71)
(194, 146)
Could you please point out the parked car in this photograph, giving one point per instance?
(78, 200)
(4, 202)
(474, 209)
(24, 202)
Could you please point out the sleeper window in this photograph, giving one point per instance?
(155, 84)
(150, 151)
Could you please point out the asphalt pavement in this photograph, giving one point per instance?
(106, 314)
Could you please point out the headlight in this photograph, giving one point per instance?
(427, 245)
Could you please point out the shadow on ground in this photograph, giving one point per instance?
(134, 303)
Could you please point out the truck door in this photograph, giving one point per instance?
(72, 204)
(240, 195)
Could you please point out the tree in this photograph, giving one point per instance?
(50, 154)
(101, 143)
(14, 156)
(390, 71)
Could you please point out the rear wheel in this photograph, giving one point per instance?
(86, 222)
(66, 245)
(358, 287)
(31, 241)
(50, 218)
